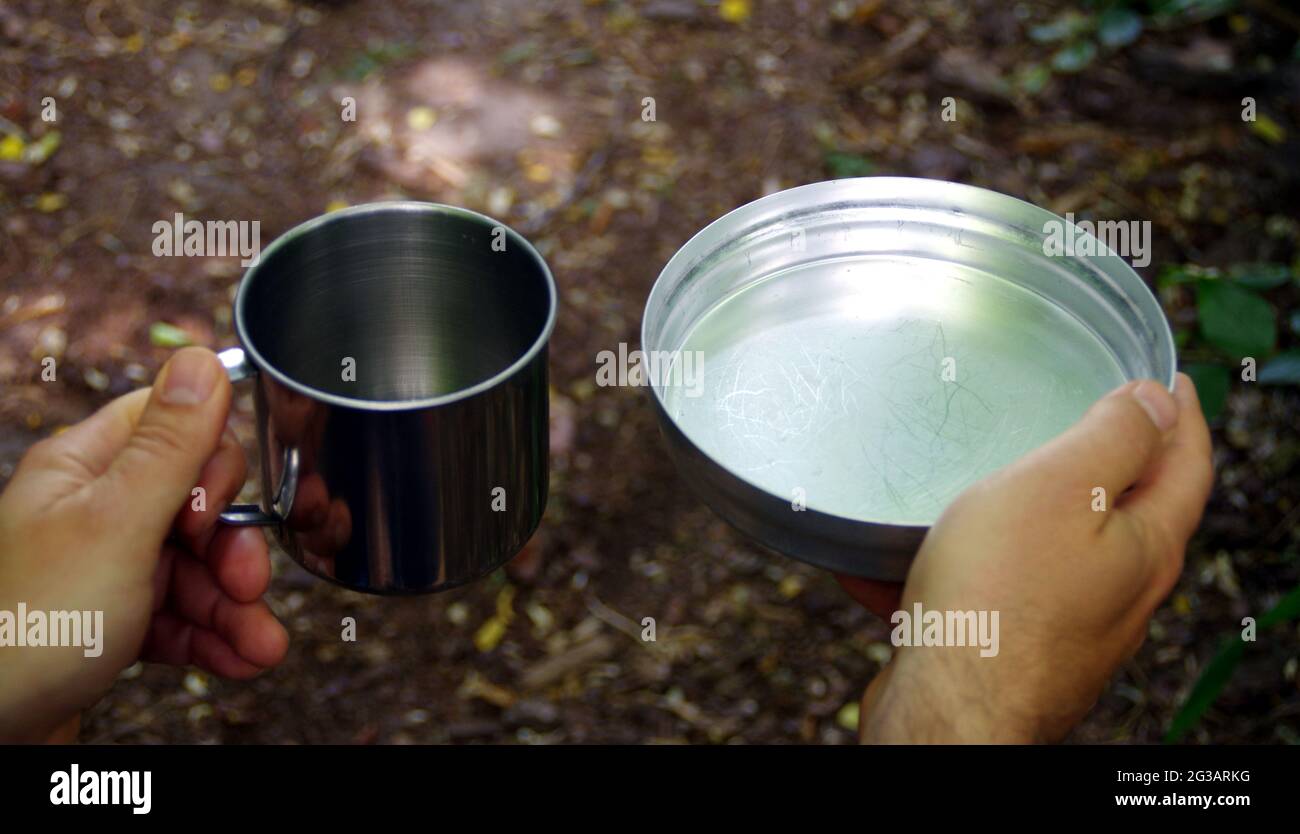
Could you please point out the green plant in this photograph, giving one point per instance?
(374, 58)
(1235, 320)
(1080, 35)
(842, 165)
(1220, 668)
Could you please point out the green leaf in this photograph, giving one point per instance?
(167, 335)
(843, 165)
(361, 68)
(1216, 675)
(1118, 27)
(1212, 383)
(1207, 689)
(1169, 12)
(1260, 276)
(518, 52)
(1074, 57)
(1032, 78)
(1267, 129)
(1069, 25)
(43, 148)
(375, 57)
(1235, 319)
(1287, 608)
(1178, 274)
(1283, 369)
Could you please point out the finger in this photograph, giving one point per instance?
(250, 628)
(178, 642)
(880, 598)
(213, 653)
(221, 479)
(1112, 445)
(1172, 496)
(338, 529)
(95, 441)
(162, 575)
(176, 434)
(240, 561)
(332, 536)
(168, 640)
(311, 503)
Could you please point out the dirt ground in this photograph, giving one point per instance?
(532, 111)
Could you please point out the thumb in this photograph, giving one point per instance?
(178, 430)
(1115, 442)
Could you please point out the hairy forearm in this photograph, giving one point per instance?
(919, 700)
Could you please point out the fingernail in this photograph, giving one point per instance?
(1158, 403)
(191, 377)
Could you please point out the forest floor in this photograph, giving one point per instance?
(531, 111)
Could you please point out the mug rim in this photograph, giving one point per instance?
(394, 206)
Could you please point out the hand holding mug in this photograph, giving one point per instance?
(101, 518)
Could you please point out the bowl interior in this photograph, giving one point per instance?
(871, 347)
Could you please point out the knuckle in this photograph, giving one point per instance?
(160, 440)
(1133, 430)
(231, 448)
(40, 453)
(194, 524)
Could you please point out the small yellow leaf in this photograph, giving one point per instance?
(735, 11)
(421, 118)
(220, 82)
(1267, 129)
(489, 634)
(11, 148)
(506, 603)
(246, 76)
(133, 43)
(50, 202)
(335, 205)
(1182, 605)
(167, 335)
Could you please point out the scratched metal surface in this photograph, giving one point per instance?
(878, 388)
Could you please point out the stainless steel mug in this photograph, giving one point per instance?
(398, 352)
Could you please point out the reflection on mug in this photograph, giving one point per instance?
(322, 522)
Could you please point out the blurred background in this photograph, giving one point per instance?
(532, 111)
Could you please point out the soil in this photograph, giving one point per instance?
(532, 111)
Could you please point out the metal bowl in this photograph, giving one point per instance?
(870, 347)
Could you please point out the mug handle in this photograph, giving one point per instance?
(238, 368)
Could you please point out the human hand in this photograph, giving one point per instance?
(101, 518)
(1074, 587)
